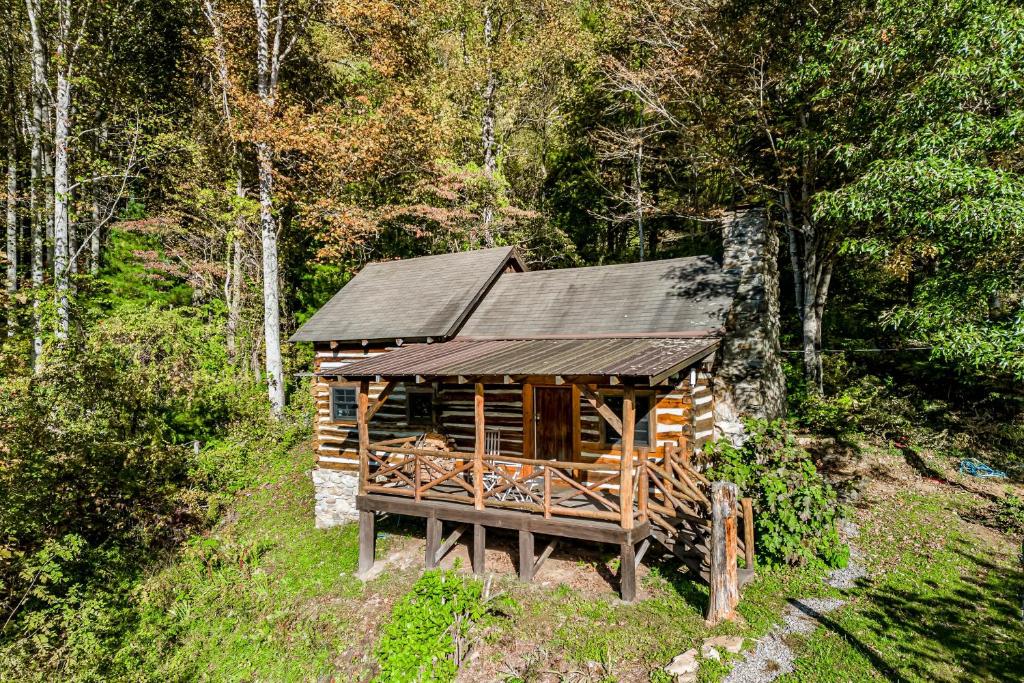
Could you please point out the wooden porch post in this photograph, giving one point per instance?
(723, 579)
(626, 465)
(478, 447)
(367, 541)
(362, 402)
(627, 571)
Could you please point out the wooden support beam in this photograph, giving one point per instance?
(478, 446)
(362, 399)
(627, 572)
(598, 404)
(643, 485)
(433, 542)
(723, 580)
(550, 548)
(526, 557)
(748, 532)
(626, 467)
(645, 545)
(367, 542)
(528, 423)
(450, 542)
(383, 396)
(479, 549)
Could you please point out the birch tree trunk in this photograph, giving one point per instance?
(36, 175)
(61, 224)
(94, 236)
(267, 64)
(487, 126)
(12, 221)
(233, 285)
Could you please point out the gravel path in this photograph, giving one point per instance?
(773, 657)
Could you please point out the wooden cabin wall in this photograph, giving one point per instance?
(337, 445)
(503, 409)
(682, 416)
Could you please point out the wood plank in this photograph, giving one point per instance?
(364, 434)
(598, 404)
(586, 529)
(528, 416)
(381, 397)
(627, 572)
(433, 541)
(526, 556)
(478, 450)
(723, 579)
(450, 542)
(367, 542)
(479, 549)
(626, 471)
(548, 549)
(748, 532)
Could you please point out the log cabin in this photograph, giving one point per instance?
(475, 393)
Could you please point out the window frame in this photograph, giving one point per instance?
(609, 439)
(422, 391)
(344, 385)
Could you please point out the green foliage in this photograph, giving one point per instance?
(1009, 514)
(796, 509)
(420, 642)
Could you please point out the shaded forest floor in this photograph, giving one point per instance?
(265, 596)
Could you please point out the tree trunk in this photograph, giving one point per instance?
(266, 71)
(638, 188)
(487, 127)
(36, 175)
(61, 267)
(233, 286)
(94, 237)
(12, 223)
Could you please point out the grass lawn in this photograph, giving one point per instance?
(265, 596)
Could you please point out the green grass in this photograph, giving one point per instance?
(943, 602)
(264, 596)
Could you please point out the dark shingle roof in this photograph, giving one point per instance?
(650, 359)
(410, 299)
(655, 297)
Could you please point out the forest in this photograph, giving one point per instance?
(187, 181)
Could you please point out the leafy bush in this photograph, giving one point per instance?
(1009, 514)
(796, 509)
(429, 627)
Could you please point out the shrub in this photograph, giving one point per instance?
(796, 509)
(429, 627)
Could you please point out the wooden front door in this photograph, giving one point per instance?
(553, 423)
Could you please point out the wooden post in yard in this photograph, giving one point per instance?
(748, 532)
(479, 549)
(367, 542)
(626, 465)
(362, 403)
(478, 447)
(627, 571)
(723, 580)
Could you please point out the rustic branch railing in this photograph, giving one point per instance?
(548, 487)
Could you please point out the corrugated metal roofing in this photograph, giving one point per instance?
(640, 358)
(414, 298)
(654, 297)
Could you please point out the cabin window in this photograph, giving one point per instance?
(642, 425)
(343, 404)
(419, 405)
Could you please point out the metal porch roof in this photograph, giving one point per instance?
(643, 358)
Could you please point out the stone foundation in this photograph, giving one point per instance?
(335, 497)
(748, 377)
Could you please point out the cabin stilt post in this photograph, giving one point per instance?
(479, 549)
(367, 541)
(526, 556)
(478, 446)
(724, 586)
(627, 571)
(626, 468)
(433, 541)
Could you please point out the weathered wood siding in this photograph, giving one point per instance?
(503, 410)
(337, 445)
